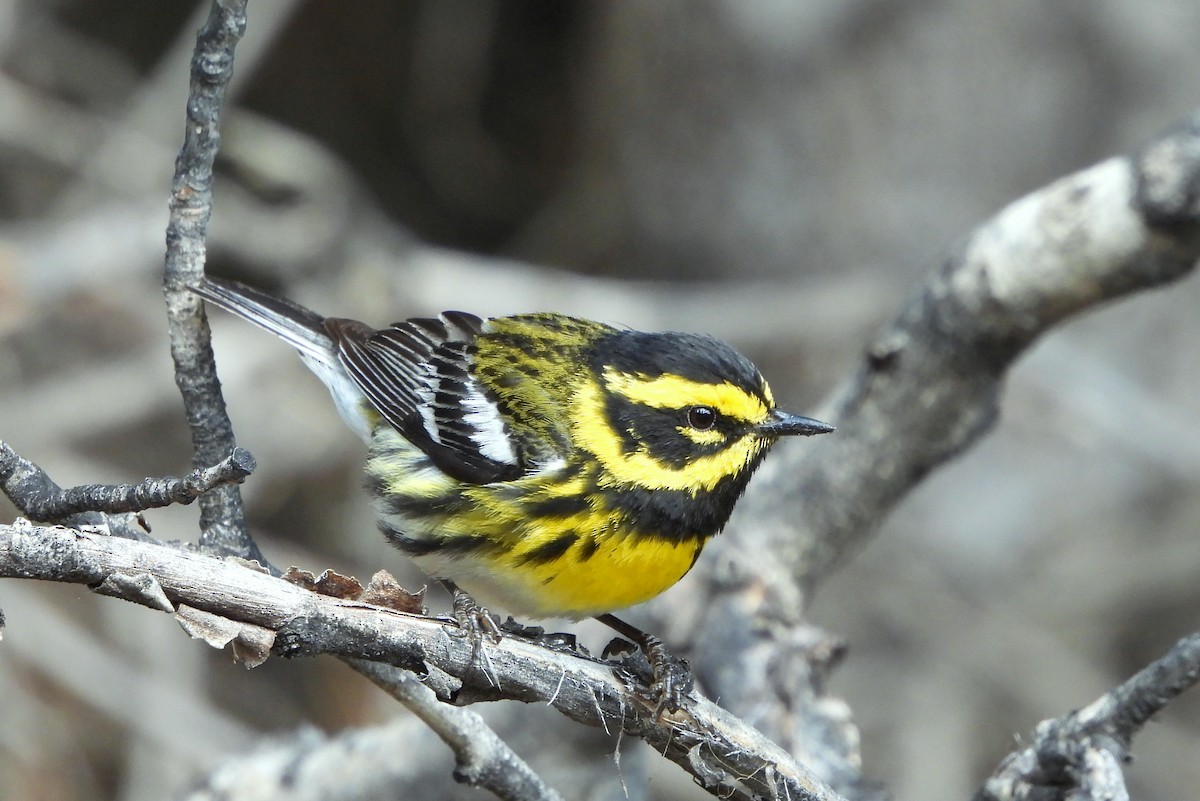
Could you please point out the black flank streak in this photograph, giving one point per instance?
(563, 506)
(549, 551)
(419, 507)
(460, 545)
(588, 548)
(375, 486)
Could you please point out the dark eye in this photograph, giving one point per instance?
(702, 418)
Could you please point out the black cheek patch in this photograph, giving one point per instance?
(654, 430)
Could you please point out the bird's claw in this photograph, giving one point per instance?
(474, 620)
(671, 677)
(665, 678)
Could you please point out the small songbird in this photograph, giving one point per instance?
(546, 465)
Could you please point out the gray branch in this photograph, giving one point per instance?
(1078, 756)
(225, 602)
(484, 760)
(38, 497)
(928, 388)
(930, 383)
(366, 763)
(222, 519)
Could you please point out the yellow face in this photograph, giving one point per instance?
(668, 432)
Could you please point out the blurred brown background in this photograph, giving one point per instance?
(777, 173)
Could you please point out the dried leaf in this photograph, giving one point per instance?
(384, 590)
(301, 578)
(329, 583)
(215, 630)
(252, 564)
(141, 588)
(336, 585)
(251, 644)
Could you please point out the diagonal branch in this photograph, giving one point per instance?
(371, 763)
(928, 388)
(484, 760)
(723, 753)
(931, 381)
(1078, 755)
(309, 766)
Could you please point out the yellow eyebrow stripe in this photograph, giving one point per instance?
(674, 392)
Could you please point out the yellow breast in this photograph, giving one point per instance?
(600, 570)
(621, 572)
(544, 545)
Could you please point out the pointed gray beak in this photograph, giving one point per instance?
(782, 424)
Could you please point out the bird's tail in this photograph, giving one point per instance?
(304, 330)
(301, 328)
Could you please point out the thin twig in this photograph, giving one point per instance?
(38, 497)
(1126, 709)
(484, 760)
(1075, 755)
(379, 762)
(222, 519)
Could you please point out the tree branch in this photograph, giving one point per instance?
(930, 382)
(222, 519)
(310, 766)
(928, 388)
(38, 497)
(1078, 756)
(364, 763)
(484, 760)
(721, 752)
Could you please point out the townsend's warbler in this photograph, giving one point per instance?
(544, 464)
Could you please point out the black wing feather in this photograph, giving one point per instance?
(416, 374)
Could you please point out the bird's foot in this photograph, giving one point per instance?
(473, 620)
(667, 679)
